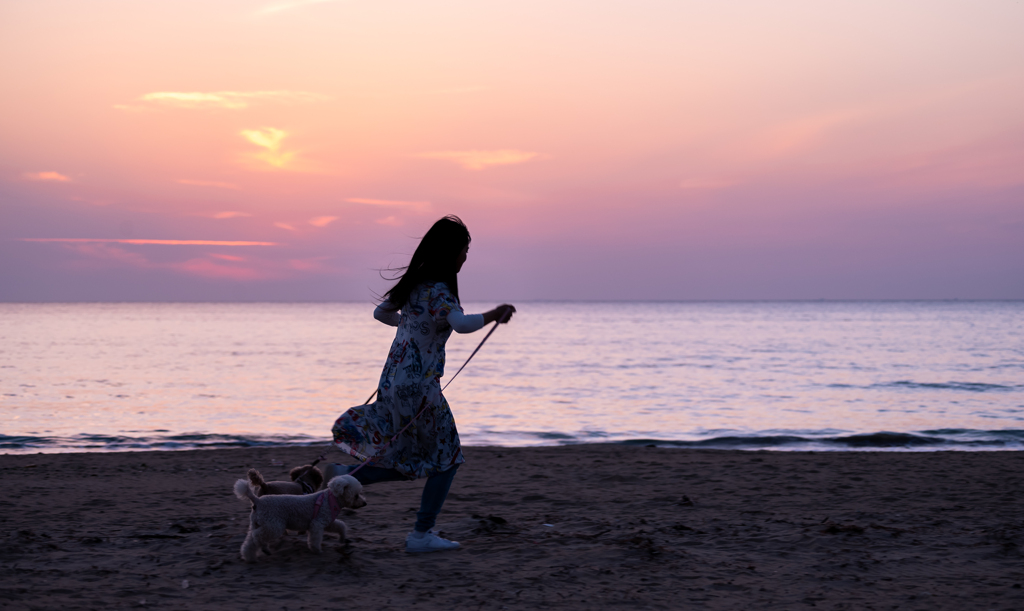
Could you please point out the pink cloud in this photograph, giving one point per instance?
(100, 254)
(479, 160)
(705, 184)
(208, 183)
(322, 221)
(211, 269)
(94, 202)
(801, 134)
(105, 255)
(312, 264)
(993, 165)
(96, 253)
(389, 202)
(46, 176)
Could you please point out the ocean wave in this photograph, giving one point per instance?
(959, 386)
(967, 386)
(803, 440)
(125, 443)
(943, 439)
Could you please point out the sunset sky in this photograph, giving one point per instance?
(288, 149)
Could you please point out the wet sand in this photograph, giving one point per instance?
(575, 527)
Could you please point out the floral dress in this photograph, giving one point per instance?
(410, 380)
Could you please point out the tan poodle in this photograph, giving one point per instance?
(305, 479)
(317, 512)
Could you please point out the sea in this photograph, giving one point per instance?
(802, 375)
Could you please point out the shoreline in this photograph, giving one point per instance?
(966, 440)
(569, 527)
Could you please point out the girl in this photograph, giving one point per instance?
(424, 305)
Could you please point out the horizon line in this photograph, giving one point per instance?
(550, 301)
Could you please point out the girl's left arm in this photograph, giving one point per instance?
(465, 323)
(386, 315)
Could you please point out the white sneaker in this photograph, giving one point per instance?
(417, 543)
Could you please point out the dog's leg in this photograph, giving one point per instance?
(316, 536)
(251, 545)
(249, 548)
(268, 533)
(339, 527)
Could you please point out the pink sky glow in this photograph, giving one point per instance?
(289, 149)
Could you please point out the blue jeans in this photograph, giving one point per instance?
(434, 492)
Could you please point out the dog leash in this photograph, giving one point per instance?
(423, 404)
(423, 407)
(478, 346)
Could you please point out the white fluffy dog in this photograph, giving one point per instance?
(314, 513)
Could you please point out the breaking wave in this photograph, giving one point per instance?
(939, 439)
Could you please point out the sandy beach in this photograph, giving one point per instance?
(574, 527)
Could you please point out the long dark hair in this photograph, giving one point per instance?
(435, 260)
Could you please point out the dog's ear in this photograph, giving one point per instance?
(298, 472)
(339, 487)
(353, 493)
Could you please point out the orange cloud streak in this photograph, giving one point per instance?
(160, 242)
(387, 202)
(322, 221)
(284, 6)
(49, 176)
(227, 257)
(478, 160)
(223, 100)
(208, 183)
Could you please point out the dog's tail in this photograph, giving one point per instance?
(243, 491)
(257, 481)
